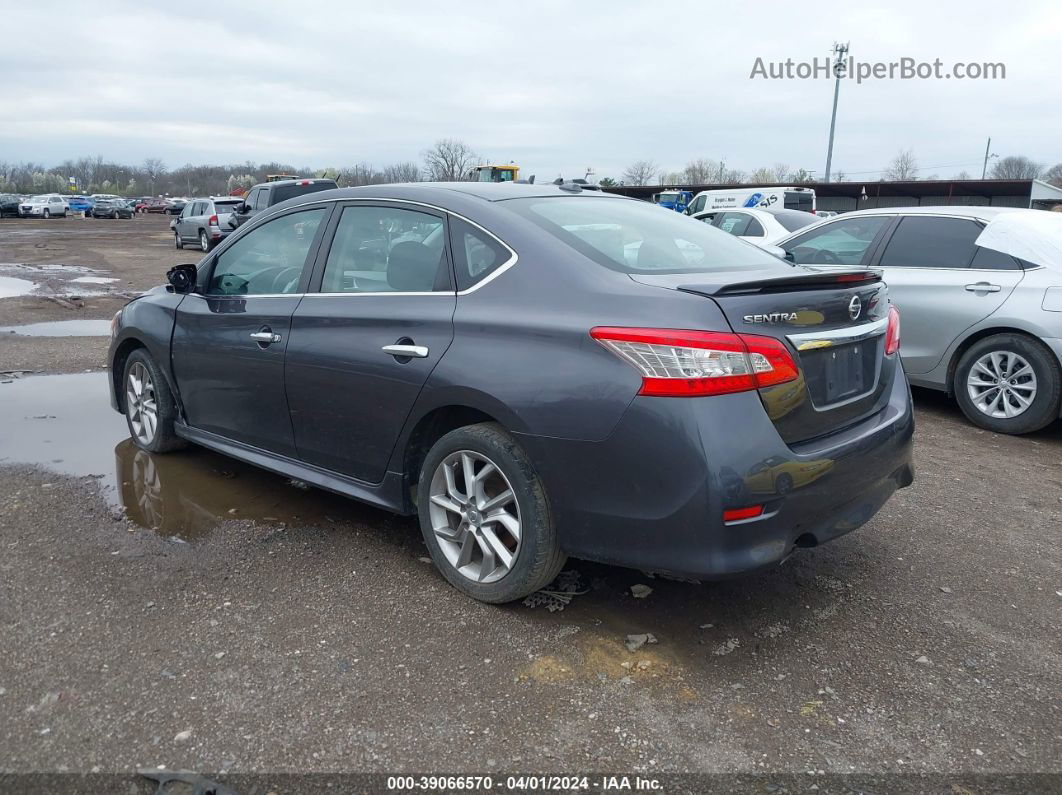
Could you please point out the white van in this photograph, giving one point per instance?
(789, 198)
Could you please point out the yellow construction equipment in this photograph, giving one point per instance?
(494, 173)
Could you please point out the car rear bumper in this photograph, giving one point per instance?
(652, 495)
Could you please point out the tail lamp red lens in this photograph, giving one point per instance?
(892, 332)
(683, 363)
(212, 221)
(737, 514)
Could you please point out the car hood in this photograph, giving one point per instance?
(1032, 235)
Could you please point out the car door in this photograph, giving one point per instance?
(58, 206)
(377, 319)
(942, 283)
(230, 336)
(181, 225)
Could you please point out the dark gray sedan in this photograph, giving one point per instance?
(537, 372)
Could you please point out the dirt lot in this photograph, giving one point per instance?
(193, 612)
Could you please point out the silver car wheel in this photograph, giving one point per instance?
(475, 516)
(141, 403)
(1001, 384)
(204, 244)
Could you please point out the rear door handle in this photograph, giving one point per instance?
(983, 287)
(265, 337)
(414, 351)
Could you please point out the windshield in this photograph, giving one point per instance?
(225, 207)
(635, 237)
(287, 191)
(38, 199)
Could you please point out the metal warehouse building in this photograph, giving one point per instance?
(847, 196)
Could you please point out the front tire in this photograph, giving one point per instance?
(485, 517)
(150, 409)
(46, 214)
(1009, 383)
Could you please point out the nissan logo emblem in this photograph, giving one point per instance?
(855, 306)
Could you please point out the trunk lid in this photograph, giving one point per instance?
(833, 325)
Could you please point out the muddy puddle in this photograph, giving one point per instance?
(61, 328)
(64, 423)
(10, 287)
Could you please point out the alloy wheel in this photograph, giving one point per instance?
(1001, 384)
(141, 403)
(204, 243)
(475, 516)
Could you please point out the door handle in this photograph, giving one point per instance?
(413, 351)
(265, 337)
(983, 287)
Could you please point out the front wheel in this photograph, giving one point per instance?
(150, 409)
(485, 517)
(1009, 383)
(46, 215)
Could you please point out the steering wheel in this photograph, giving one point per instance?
(287, 278)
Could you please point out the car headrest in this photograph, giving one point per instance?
(412, 267)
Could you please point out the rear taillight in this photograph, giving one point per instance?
(681, 363)
(892, 333)
(212, 220)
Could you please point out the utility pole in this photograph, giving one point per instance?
(984, 171)
(839, 67)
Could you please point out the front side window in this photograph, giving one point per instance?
(269, 259)
(635, 237)
(927, 242)
(387, 250)
(842, 242)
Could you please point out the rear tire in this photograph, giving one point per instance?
(204, 241)
(459, 536)
(150, 409)
(1009, 383)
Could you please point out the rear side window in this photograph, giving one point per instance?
(476, 254)
(926, 242)
(637, 237)
(793, 220)
(387, 250)
(842, 242)
(990, 259)
(735, 223)
(799, 200)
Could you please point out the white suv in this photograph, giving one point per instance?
(42, 206)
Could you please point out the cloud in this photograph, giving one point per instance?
(555, 86)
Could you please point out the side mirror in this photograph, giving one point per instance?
(182, 278)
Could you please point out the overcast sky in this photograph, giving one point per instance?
(554, 86)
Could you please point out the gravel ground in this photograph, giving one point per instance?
(229, 621)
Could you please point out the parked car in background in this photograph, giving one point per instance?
(204, 222)
(156, 206)
(44, 206)
(981, 324)
(111, 208)
(96, 196)
(9, 203)
(825, 213)
(175, 206)
(763, 227)
(510, 376)
(265, 195)
(79, 204)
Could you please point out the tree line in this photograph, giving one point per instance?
(448, 160)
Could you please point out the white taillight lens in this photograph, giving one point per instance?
(680, 363)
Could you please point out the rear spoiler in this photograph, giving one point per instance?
(816, 280)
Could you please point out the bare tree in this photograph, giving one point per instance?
(700, 171)
(903, 167)
(153, 168)
(672, 178)
(1052, 175)
(449, 160)
(963, 175)
(799, 176)
(1016, 167)
(402, 172)
(641, 172)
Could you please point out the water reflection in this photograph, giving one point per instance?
(185, 494)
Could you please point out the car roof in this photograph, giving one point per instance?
(958, 211)
(487, 191)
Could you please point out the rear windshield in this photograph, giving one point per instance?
(638, 237)
(794, 219)
(225, 207)
(285, 192)
(799, 200)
